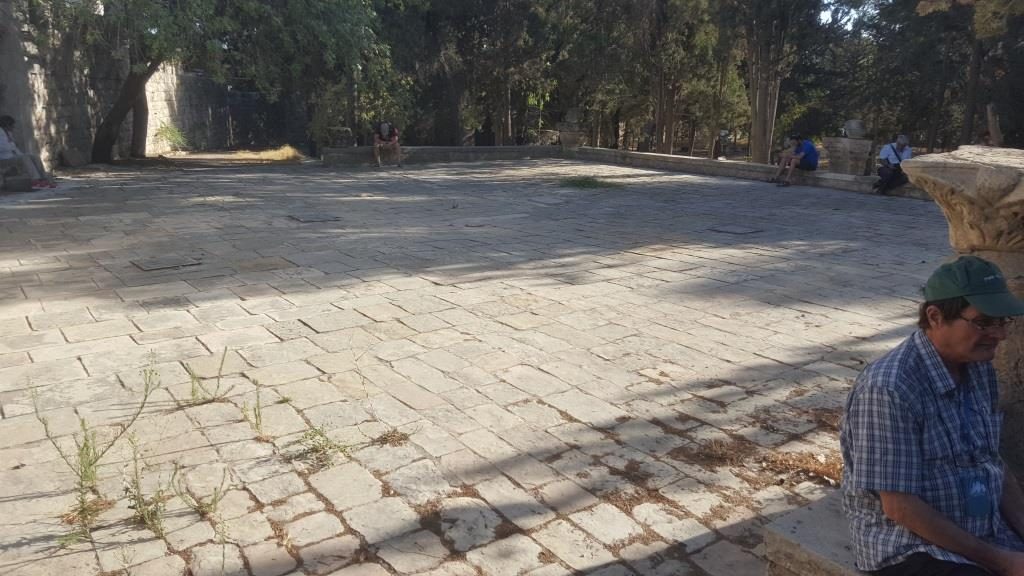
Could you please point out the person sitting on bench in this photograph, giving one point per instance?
(386, 138)
(802, 155)
(30, 163)
(891, 156)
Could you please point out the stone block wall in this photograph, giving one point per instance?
(191, 102)
(59, 92)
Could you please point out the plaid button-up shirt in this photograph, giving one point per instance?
(909, 428)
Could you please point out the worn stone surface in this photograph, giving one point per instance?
(573, 546)
(507, 557)
(812, 540)
(382, 520)
(519, 375)
(269, 559)
(329, 555)
(347, 486)
(468, 522)
(313, 528)
(415, 552)
(217, 560)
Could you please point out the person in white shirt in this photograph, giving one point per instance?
(891, 156)
(31, 163)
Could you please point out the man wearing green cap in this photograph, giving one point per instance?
(924, 487)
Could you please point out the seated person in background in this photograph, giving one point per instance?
(890, 173)
(30, 163)
(386, 138)
(924, 487)
(803, 155)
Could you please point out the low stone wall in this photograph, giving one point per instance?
(363, 155)
(58, 90)
(192, 103)
(736, 169)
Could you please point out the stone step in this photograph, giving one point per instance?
(811, 541)
(16, 184)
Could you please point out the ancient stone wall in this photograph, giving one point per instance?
(58, 94)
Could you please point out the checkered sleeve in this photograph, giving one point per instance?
(886, 442)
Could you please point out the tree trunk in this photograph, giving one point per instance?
(617, 130)
(995, 133)
(971, 98)
(107, 133)
(937, 112)
(659, 102)
(664, 116)
(140, 125)
(766, 45)
(448, 124)
(693, 136)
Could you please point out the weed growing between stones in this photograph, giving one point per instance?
(84, 462)
(206, 509)
(254, 416)
(391, 438)
(220, 530)
(148, 511)
(200, 393)
(318, 449)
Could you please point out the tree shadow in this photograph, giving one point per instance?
(682, 373)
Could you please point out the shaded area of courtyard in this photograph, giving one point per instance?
(527, 378)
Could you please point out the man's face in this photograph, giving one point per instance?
(971, 337)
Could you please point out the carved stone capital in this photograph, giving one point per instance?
(981, 191)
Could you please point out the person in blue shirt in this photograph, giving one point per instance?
(802, 156)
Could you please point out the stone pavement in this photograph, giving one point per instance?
(454, 370)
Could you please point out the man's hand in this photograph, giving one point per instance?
(1012, 505)
(920, 518)
(1010, 564)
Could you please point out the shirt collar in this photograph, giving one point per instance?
(938, 375)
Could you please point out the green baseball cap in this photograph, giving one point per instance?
(979, 281)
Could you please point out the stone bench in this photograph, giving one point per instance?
(363, 156)
(12, 178)
(811, 541)
(738, 169)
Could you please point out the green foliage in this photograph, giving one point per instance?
(318, 449)
(173, 136)
(634, 72)
(205, 508)
(202, 392)
(85, 460)
(149, 510)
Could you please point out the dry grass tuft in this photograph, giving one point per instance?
(822, 468)
(828, 418)
(285, 153)
(91, 509)
(715, 453)
(391, 438)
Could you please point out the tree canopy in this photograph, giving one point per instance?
(661, 75)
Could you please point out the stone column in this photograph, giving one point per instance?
(848, 155)
(981, 192)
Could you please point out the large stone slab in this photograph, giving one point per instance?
(813, 540)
